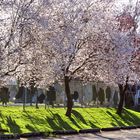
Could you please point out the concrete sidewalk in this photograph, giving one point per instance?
(112, 135)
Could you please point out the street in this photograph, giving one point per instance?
(113, 135)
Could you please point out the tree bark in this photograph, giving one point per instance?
(45, 101)
(37, 99)
(31, 94)
(68, 95)
(24, 98)
(122, 96)
(121, 102)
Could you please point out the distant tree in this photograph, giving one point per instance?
(36, 93)
(108, 93)
(115, 98)
(4, 95)
(101, 96)
(32, 89)
(51, 95)
(20, 92)
(41, 98)
(75, 95)
(95, 94)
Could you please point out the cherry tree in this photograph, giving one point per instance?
(17, 22)
(122, 62)
(17, 42)
(56, 40)
(74, 41)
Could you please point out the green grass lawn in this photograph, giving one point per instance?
(15, 120)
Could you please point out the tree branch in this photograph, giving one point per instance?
(82, 64)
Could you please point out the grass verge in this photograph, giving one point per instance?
(15, 120)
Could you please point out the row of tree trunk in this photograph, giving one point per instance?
(122, 91)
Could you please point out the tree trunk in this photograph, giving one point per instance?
(68, 95)
(45, 101)
(122, 96)
(37, 99)
(31, 94)
(24, 98)
(121, 102)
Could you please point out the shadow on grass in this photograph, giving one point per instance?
(1, 115)
(57, 123)
(2, 131)
(93, 125)
(33, 122)
(13, 126)
(79, 116)
(52, 123)
(127, 118)
(75, 123)
(119, 123)
(30, 127)
(63, 124)
(130, 118)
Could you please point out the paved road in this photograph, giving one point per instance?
(114, 135)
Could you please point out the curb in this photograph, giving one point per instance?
(64, 132)
(9, 136)
(138, 126)
(34, 134)
(128, 127)
(110, 129)
(96, 130)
